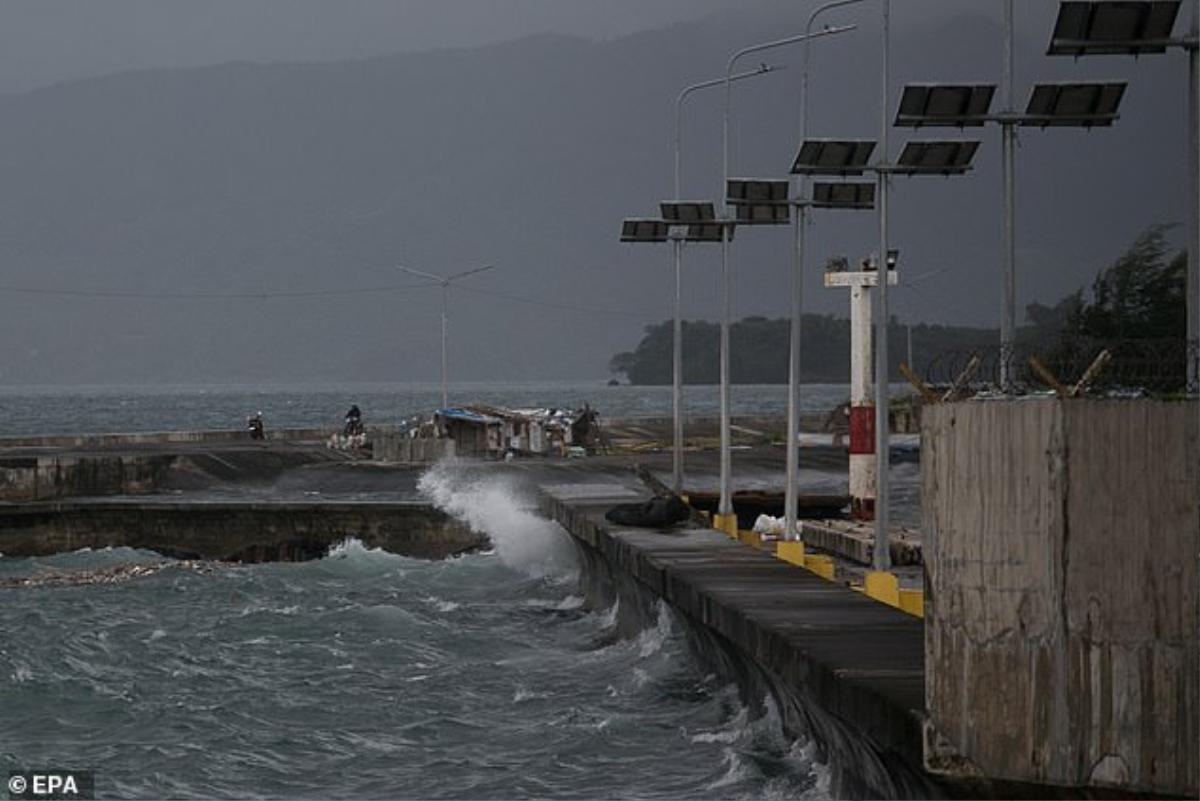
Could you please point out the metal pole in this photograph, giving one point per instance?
(677, 377)
(882, 557)
(1193, 273)
(792, 490)
(445, 293)
(677, 344)
(910, 358)
(1008, 133)
(812, 18)
(790, 499)
(726, 503)
(444, 283)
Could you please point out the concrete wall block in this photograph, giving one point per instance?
(1061, 544)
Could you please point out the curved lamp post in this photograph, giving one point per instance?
(725, 519)
(444, 283)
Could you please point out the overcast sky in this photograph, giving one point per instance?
(50, 40)
(299, 176)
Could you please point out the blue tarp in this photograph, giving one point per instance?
(466, 414)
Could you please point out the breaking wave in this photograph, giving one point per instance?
(492, 505)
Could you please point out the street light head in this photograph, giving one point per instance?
(948, 104)
(848, 195)
(1113, 27)
(833, 157)
(685, 212)
(759, 201)
(1074, 104)
(644, 229)
(936, 158)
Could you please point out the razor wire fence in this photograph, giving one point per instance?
(1134, 367)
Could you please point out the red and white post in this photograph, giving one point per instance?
(862, 395)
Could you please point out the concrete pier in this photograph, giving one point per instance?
(850, 671)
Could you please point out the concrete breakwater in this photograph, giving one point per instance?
(64, 493)
(843, 669)
(46, 472)
(43, 468)
(232, 531)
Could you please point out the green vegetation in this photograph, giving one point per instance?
(759, 349)
(1136, 308)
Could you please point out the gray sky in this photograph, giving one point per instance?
(283, 175)
(42, 41)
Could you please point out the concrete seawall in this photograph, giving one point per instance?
(844, 669)
(232, 531)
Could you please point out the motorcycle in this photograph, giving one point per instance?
(255, 425)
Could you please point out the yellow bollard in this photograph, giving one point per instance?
(727, 524)
(913, 602)
(883, 586)
(790, 551)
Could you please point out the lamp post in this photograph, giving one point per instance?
(1083, 105)
(677, 247)
(725, 519)
(850, 157)
(444, 283)
(1134, 27)
(791, 490)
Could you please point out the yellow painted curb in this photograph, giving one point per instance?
(883, 586)
(821, 565)
(751, 538)
(790, 551)
(913, 602)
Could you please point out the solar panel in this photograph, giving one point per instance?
(1074, 104)
(1113, 27)
(959, 105)
(644, 229)
(850, 195)
(941, 157)
(687, 211)
(833, 157)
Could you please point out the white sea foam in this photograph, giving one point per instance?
(353, 549)
(569, 603)
(441, 605)
(737, 770)
(492, 506)
(650, 640)
(734, 730)
(523, 694)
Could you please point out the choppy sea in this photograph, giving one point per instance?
(365, 674)
(74, 409)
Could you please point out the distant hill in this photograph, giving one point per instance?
(759, 350)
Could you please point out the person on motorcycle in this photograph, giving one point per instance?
(353, 421)
(255, 424)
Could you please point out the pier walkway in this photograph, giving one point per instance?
(853, 667)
